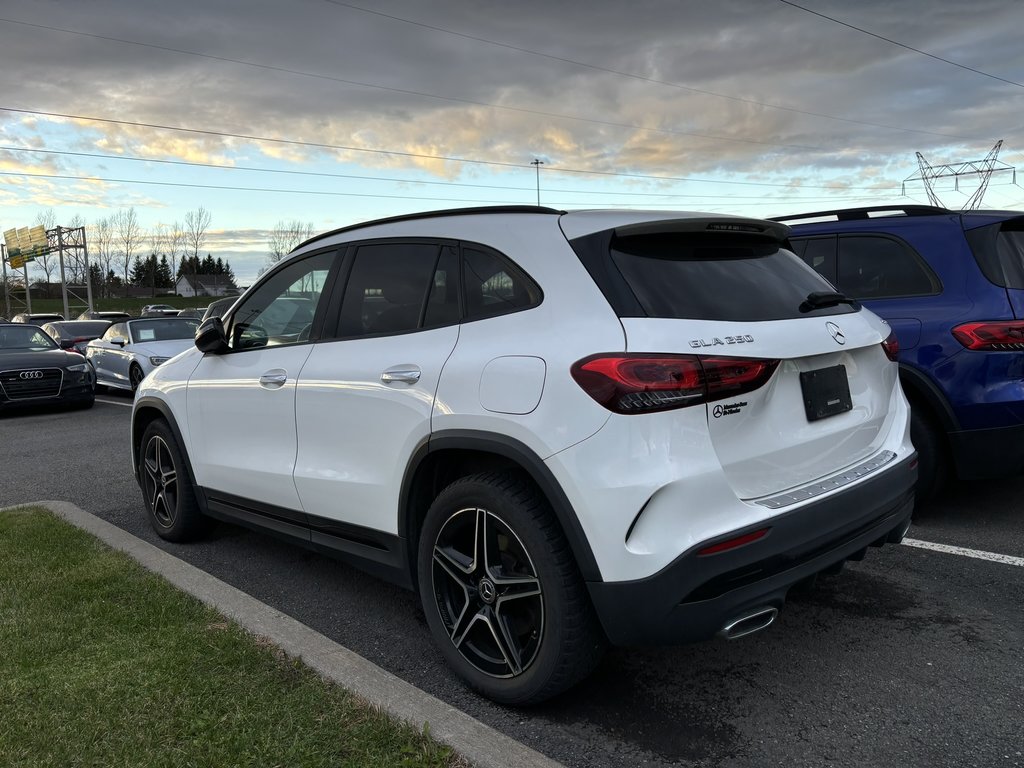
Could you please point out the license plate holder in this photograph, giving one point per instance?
(826, 392)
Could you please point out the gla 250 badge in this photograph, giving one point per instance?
(714, 341)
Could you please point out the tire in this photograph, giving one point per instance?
(932, 459)
(167, 489)
(135, 376)
(516, 623)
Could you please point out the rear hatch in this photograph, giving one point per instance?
(727, 292)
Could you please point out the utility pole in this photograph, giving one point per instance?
(537, 163)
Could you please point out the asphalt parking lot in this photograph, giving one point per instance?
(912, 657)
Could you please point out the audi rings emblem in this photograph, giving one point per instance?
(837, 334)
(30, 375)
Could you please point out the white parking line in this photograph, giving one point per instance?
(964, 552)
(114, 402)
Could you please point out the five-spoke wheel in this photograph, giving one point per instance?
(160, 481)
(488, 593)
(501, 592)
(166, 486)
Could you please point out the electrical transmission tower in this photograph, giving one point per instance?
(982, 168)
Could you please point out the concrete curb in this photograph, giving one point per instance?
(480, 744)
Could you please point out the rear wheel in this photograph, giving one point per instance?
(501, 591)
(166, 488)
(933, 461)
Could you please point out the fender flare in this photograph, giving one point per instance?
(529, 461)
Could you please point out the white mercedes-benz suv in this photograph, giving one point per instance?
(562, 429)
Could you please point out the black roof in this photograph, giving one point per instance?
(434, 215)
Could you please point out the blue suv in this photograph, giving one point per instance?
(951, 286)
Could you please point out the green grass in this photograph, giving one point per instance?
(105, 664)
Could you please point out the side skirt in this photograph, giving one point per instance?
(380, 554)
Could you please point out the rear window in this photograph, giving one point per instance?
(999, 249)
(717, 277)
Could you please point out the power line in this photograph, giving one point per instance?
(273, 190)
(410, 92)
(902, 45)
(397, 153)
(643, 78)
(356, 177)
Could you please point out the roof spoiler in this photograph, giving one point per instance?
(732, 225)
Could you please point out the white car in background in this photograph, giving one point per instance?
(130, 350)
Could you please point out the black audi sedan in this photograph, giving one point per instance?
(34, 371)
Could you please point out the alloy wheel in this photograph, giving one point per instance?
(488, 594)
(160, 481)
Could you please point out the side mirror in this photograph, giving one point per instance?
(210, 336)
(67, 343)
(119, 341)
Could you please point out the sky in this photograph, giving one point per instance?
(331, 113)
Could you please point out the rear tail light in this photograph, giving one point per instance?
(642, 383)
(1007, 335)
(891, 346)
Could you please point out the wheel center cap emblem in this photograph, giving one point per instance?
(487, 591)
(837, 334)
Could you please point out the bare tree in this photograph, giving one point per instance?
(101, 242)
(48, 262)
(129, 236)
(196, 224)
(175, 246)
(285, 236)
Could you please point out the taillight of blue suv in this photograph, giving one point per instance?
(997, 336)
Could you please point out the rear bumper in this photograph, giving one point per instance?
(695, 596)
(985, 453)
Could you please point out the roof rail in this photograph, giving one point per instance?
(432, 215)
(853, 214)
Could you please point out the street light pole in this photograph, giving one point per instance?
(537, 164)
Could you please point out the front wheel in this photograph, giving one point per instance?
(501, 592)
(166, 488)
(135, 376)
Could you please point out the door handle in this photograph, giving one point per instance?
(274, 379)
(407, 374)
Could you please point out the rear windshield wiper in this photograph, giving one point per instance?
(823, 299)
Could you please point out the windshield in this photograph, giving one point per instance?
(163, 330)
(24, 337)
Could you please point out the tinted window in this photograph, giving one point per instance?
(1010, 249)
(443, 301)
(387, 288)
(875, 267)
(819, 253)
(716, 277)
(281, 310)
(999, 249)
(24, 337)
(495, 286)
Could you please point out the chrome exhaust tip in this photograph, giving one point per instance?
(749, 623)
